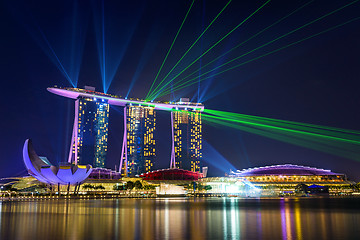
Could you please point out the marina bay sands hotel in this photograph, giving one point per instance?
(90, 131)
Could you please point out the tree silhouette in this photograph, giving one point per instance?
(138, 185)
(130, 185)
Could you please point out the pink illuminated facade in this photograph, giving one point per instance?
(172, 174)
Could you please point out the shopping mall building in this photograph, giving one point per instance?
(285, 178)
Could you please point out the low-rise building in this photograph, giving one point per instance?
(280, 179)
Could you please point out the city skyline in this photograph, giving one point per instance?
(313, 82)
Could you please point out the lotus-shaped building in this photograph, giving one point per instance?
(41, 169)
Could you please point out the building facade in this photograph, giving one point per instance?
(288, 173)
(90, 132)
(286, 178)
(140, 122)
(187, 139)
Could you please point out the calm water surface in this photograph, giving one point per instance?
(179, 218)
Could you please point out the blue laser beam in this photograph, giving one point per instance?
(112, 45)
(148, 50)
(66, 49)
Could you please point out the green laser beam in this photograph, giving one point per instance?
(336, 146)
(196, 78)
(313, 143)
(318, 130)
(304, 127)
(285, 129)
(189, 82)
(326, 141)
(210, 47)
(276, 39)
(278, 121)
(172, 44)
(192, 45)
(348, 153)
(242, 43)
(219, 41)
(155, 93)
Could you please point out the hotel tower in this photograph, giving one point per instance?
(90, 131)
(186, 138)
(139, 142)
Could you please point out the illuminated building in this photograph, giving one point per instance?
(172, 175)
(139, 147)
(279, 180)
(285, 178)
(103, 174)
(138, 150)
(187, 138)
(288, 173)
(90, 132)
(41, 169)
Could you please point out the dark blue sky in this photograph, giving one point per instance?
(316, 81)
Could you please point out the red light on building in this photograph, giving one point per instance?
(172, 174)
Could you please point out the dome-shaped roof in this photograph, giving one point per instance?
(286, 169)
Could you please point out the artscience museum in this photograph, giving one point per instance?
(41, 169)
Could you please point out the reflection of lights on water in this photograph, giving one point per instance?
(117, 220)
(224, 217)
(288, 222)
(231, 221)
(235, 225)
(285, 220)
(167, 228)
(259, 223)
(298, 221)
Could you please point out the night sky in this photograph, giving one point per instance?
(316, 81)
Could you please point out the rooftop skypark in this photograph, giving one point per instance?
(74, 93)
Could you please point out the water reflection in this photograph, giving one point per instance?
(220, 218)
(298, 220)
(231, 220)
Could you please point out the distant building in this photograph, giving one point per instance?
(103, 174)
(287, 178)
(288, 173)
(187, 139)
(90, 132)
(140, 141)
